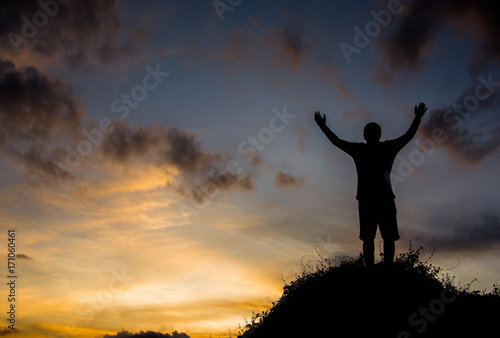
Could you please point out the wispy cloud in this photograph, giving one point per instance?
(333, 75)
(473, 232)
(285, 180)
(293, 46)
(23, 256)
(286, 45)
(464, 141)
(301, 137)
(5, 332)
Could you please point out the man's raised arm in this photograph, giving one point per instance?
(410, 133)
(321, 121)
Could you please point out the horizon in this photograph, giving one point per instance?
(162, 169)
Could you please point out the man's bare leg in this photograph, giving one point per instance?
(389, 251)
(369, 253)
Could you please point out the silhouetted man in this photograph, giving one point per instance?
(374, 160)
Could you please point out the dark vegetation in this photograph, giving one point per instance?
(411, 299)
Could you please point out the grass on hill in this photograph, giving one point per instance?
(347, 300)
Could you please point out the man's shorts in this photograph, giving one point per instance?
(381, 212)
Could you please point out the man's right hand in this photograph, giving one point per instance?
(321, 121)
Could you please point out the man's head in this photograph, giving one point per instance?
(372, 132)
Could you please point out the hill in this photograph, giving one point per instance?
(407, 300)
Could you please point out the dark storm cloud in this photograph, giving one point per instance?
(147, 334)
(79, 31)
(185, 152)
(164, 145)
(169, 146)
(481, 232)
(209, 187)
(285, 180)
(408, 46)
(41, 128)
(462, 140)
(35, 112)
(200, 171)
(33, 105)
(123, 141)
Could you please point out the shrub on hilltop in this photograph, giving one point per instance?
(347, 300)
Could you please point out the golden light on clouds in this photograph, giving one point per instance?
(103, 249)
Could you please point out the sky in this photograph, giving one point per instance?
(162, 170)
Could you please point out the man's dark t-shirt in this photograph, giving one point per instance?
(374, 162)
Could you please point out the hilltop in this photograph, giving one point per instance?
(348, 300)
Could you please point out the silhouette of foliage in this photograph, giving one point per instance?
(407, 299)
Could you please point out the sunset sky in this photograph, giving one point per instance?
(163, 171)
